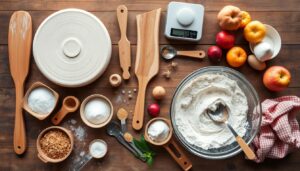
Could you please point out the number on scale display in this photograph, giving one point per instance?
(183, 33)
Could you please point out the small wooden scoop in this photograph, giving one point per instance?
(170, 145)
(147, 59)
(70, 104)
(19, 48)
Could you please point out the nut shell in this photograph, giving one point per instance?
(159, 92)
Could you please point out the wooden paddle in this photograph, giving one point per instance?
(147, 59)
(19, 48)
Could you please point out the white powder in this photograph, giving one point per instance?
(98, 149)
(158, 131)
(97, 111)
(41, 100)
(192, 120)
(79, 133)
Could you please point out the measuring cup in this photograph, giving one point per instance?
(70, 104)
(169, 144)
(169, 52)
(78, 166)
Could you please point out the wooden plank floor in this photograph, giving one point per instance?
(283, 15)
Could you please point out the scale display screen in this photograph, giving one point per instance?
(183, 33)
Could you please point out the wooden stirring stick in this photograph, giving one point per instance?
(19, 48)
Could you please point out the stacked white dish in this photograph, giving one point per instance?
(269, 47)
(72, 47)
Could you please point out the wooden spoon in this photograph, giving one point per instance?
(70, 104)
(19, 48)
(147, 59)
(221, 116)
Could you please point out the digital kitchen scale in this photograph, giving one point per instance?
(184, 21)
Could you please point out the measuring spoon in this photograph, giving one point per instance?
(170, 145)
(169, 52)
(128, 137)
(113, 129)
(122, 116)
(70, 104)
(79, 165)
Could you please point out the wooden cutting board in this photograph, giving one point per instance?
(147, 59)
(19, 48)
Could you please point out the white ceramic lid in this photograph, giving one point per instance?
(272, 38)
(72, 47)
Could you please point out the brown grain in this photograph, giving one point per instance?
(55, 144)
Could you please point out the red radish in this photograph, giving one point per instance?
(214, 53)
(225, 40)
(153, 109)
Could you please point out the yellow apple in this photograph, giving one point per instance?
(254, 32)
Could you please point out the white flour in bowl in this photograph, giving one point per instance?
(192, 120)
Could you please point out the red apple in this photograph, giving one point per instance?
(153, 109)
(277, 78)
(214, 53)
(225, 40)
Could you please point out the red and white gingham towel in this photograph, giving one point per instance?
(279, 132)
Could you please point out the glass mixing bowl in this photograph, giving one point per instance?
(253, 117)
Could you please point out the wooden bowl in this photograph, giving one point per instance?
(42, 155)
(147, 138)
(82, 114)
(28, 109)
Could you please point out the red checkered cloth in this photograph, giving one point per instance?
(279, 133)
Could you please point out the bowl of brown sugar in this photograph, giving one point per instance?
(54, 144)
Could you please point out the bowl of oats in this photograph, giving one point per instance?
(54, 144)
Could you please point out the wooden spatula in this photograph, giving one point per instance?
(147, 59)
(124, 44)
(19, 48)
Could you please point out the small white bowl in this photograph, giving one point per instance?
(82, 108)
(273, 38)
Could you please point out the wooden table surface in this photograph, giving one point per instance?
(283, 15)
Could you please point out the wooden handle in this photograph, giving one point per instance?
(59, 116)
(124, 44)
(19, 130)
(126, 74)
(122, 15)
(194, 54)
(247, 150)
(138, 115)
(178, 155)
